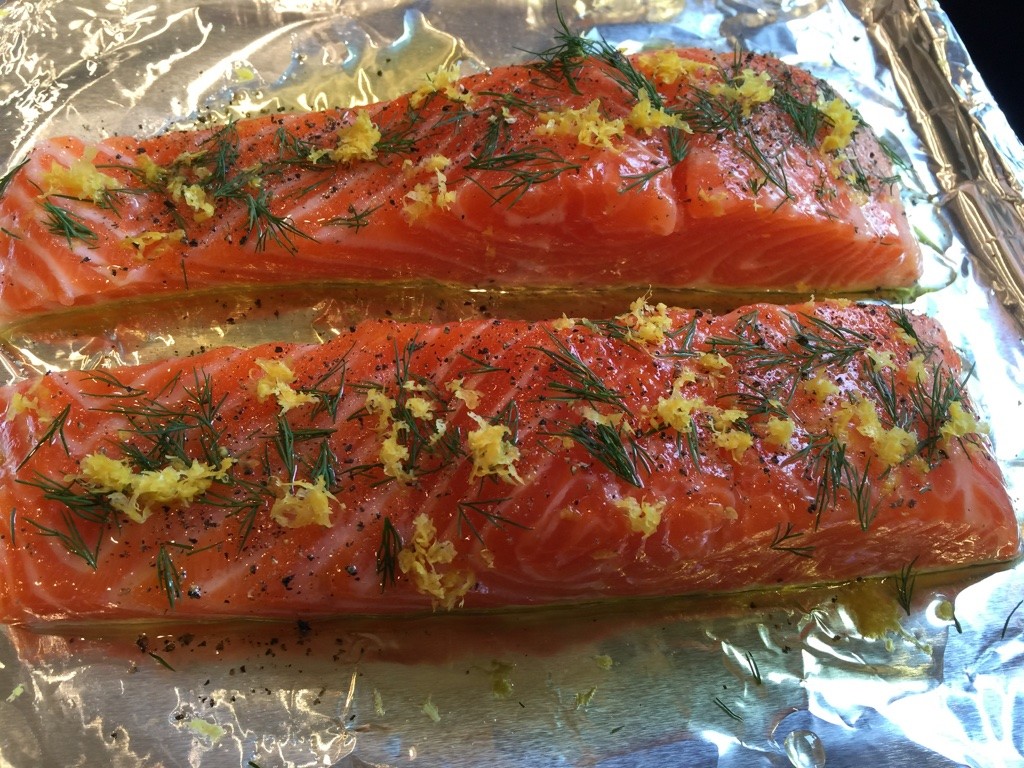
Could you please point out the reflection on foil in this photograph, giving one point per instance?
(837, 676)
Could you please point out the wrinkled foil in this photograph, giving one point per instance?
(790, 678)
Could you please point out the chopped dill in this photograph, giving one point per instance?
(161, 661)
(1006, 624)
(755, 671)
(13, 517)
(725, 708)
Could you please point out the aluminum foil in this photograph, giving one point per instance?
(792, 678)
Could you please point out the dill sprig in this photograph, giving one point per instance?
(56, 428)
(779, 541)
(421, 437)
(167, 573)
(325, 465)
(485, 509)
(828, 461)
(223, 146)
(524, 169)
(328, 400)
(161, 661)
(604, 442)
(164, 429)
(387, 554)
(894, 157)
(294, 150)
(902, 320)
(814, 343)
(245, 501)
(678, 148)
(758, 404)
(583, 383)
(6, 179)
(685, 334)
(285, 439)
(905, 582)
(84, 503)
(71, 537)
(479, 366)
(932, 401)
(261, 219)
(356, 219)
(566, 58)
(399, 138)
(807, 118)
(895, 409)
(60, 221)
(707, 113)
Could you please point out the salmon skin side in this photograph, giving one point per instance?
(678, 168)
(404, 467)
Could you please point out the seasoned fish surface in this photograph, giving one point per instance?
(482, 464)
(679, 168)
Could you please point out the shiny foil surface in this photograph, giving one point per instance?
(837, 675)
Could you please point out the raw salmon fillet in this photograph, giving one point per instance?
(409, 467)
(679, 168)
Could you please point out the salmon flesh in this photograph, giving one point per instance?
(584, 169)
(483, 464)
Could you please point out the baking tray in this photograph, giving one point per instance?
(796, 677)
